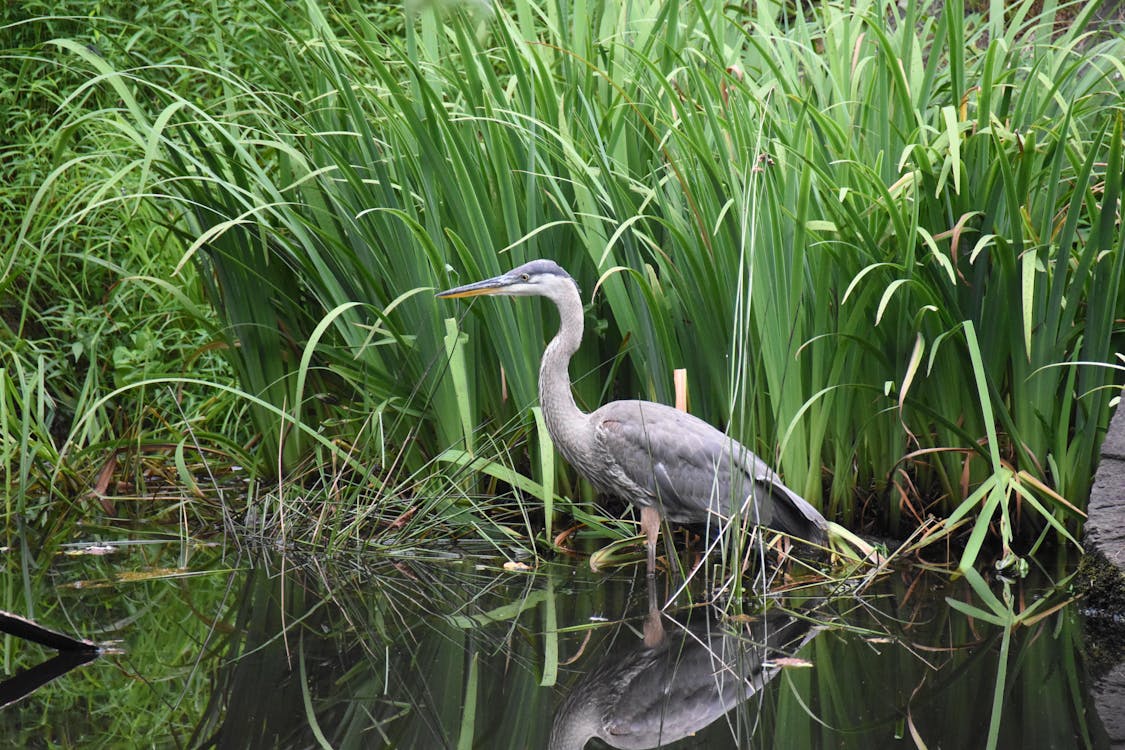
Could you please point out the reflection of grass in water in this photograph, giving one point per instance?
(428, 654)
(149, 693)
(417, 649)
(943, 677)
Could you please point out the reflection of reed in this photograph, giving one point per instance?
(680, 678)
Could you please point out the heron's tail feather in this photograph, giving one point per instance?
(794, 515)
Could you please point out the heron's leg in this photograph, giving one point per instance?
(654, 625)
(650, 526)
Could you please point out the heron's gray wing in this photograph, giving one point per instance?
(657, 454)
(792, 513)
(660, 455)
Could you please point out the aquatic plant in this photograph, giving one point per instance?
(888, 260)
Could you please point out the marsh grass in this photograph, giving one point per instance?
(90, 318)
(890, 265)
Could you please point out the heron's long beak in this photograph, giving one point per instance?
(495, 285)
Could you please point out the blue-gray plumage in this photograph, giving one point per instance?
(665, 461)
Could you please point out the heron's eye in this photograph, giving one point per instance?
(525, 277)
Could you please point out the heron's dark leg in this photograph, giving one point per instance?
(650, 526)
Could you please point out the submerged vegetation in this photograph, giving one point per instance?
(884, 240)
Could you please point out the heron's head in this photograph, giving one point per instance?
(544, 278)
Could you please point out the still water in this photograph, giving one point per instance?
(215, 646)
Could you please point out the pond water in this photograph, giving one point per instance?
(219, 647)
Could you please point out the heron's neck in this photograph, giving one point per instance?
(563, 417)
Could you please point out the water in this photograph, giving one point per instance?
(218, 647)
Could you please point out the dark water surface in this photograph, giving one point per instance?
(222, 648)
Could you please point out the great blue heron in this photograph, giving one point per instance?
(663, 460)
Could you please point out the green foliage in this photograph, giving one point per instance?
(810, 212)
(88, 313)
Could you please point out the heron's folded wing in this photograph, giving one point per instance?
(661, 455)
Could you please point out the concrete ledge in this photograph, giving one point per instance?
(1101, 575)
(1114, 445)
(1105, 528)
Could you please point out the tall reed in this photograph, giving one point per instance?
(884, 239)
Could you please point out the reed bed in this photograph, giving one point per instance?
(884, 239)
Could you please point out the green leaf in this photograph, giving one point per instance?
(971, 611)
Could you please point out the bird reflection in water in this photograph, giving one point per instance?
(680, 678)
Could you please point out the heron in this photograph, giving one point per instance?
(664, 461)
